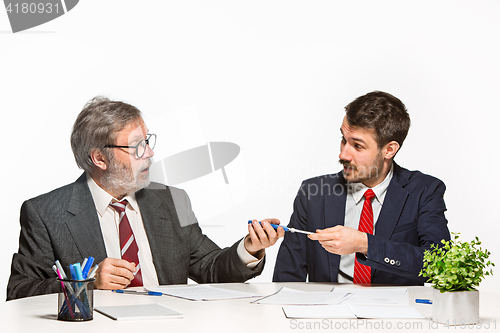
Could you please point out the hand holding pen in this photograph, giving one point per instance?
(262, 235)
(287, 229)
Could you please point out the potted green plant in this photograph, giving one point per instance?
(455, 269)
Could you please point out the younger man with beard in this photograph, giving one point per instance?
(384, 242)
(139, 233)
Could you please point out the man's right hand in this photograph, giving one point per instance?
(114, 274)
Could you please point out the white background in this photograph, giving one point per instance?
(270, 76)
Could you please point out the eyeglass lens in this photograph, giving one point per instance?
(141, 148)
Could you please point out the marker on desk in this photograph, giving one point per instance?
(134, 292)
(275, 226)
(423, 301)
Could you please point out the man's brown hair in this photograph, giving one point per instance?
(386, 114)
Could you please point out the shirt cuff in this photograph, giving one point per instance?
(246, 257)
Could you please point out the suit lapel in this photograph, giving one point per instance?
(158, 215)
(83, 223)
(394, 202)
(334, 215)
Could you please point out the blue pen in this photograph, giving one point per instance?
(86, 268)
(134, 292)
(275, 226)
(423, 301)
(73, 272)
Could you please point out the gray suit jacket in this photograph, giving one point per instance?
(63, 225)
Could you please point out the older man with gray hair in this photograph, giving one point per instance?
(140, 233)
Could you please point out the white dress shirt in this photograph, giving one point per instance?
(353, 208)
(109, 220)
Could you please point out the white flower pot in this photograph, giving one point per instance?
(455, 307)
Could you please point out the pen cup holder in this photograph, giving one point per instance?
(75, 300)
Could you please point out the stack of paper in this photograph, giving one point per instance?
(356, 303)
(292, 296)
(352, 311)
(201, 292)
(374, 295)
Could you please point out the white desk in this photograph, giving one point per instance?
(39, 314)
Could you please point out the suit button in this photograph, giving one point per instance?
(386, 260)
(398, 263)
(392, 262)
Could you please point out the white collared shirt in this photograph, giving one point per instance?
(353, 208)
(109, 220)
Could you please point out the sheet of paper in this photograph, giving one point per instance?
(318, 311)
(288, 296)
(201, 292)
(386, 312)
(374, 295)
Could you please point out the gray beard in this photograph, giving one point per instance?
(119, 179)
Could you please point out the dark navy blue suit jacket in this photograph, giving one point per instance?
(411, 219)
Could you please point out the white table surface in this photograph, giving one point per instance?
(39, 314)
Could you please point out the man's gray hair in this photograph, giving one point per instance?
(97, 126)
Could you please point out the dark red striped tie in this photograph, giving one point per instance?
(128, 245)
(362, 273)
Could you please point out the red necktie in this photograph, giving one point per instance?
(362, 273)
(128, 245)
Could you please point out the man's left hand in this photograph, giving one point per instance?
(262, 236)
(341, 240)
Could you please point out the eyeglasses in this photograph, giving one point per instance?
(140, 148)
